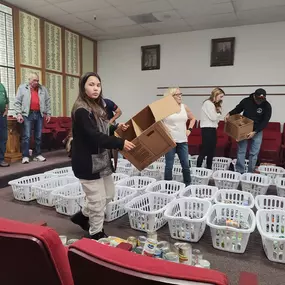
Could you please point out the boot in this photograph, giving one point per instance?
(80, 220)
(99, 235)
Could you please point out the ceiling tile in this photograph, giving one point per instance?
(117, 22)
(65, 19)
(82, 6)
(145, 7)
(105, 37)
(167, 16)
(101, 14)
(28, 3)
(212, 19)
(81, 27)
(242, 5)
(171, 30)
(167, 24)
(125, 29)
(47, 11)
(126, 2)
(57, 1)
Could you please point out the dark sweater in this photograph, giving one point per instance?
(87, 140)
(259, 113)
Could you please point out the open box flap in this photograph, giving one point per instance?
(164, 107)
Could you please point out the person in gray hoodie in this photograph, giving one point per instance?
(32, 104)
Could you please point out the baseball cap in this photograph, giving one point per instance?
(260, 94)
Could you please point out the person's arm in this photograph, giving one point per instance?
(47, 102)
(115, 109)
(266, 118)
(92, 133)
(191, 117)
(18, 102)
(7, 103)
(210, 111)
(238, 109)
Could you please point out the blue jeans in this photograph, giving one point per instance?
(182, 150)
(34, 119)
(253, 153)
(3, 136)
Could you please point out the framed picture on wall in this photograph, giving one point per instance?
(222, 52)
(150, 57)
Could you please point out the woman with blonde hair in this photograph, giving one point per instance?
(176, 123)
(210, 115)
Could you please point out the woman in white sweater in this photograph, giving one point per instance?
(176, 124)
(210, 115)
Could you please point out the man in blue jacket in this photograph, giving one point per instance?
(258, 109)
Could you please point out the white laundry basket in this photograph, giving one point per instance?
(127, 168)
(234, 162)
(193, 161)
(221, 163)
(272, 171)
(280, 186)
(161, 159)
(171, 188)
(271, 226)
(69, 200)
(22, 187)
(119, 176)
(187, 218)
(199, 191)
(269, 202)
(139, 183)
(177, 173)
(116, 208)
(228, 238)
(64, 171)
(146, 212)
(225, 179)
(237, 197)
(200, 176)
(155, 170)
(254, 183)
(43, 190)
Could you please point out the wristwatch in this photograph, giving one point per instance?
(190, 129)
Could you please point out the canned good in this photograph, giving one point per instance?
(172, 256)
(63, 239)
(204, 263)
(133, 241)
(138, 250)
(232, 223)
(152, 235)
(141, 241)
(185, 253)
(157, 253)
(196, 256)
(104, 241)
(149, 247)
(164, 246)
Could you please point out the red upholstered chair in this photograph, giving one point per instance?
(32, 255)
(65, 123)
(271, 146)
(273, 126)
(95, 263)
(223, 143)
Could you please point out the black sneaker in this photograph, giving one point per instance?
(98, 235)
(80, 220)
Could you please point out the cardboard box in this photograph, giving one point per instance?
(148, 133)
(238, 127)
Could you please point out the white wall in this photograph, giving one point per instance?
(185, 60)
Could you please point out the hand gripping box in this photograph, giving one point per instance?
(238, 127)
(148, 133)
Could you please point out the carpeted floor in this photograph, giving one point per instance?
(253, 260)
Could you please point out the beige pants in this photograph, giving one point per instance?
(98, 194)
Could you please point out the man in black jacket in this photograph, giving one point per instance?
(258, 109)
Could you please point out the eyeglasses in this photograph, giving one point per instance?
(176, 95)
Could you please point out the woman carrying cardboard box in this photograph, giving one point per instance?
(176, 124)
(210, 115)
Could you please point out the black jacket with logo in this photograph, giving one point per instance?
(259, 113)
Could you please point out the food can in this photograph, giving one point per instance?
(157, 253)
(149, 247)
(205, 263)
(152, 235)
(104, 241)
(133, 241)
(172, 256)
(138, 250)
(164, 246)
(185, 253)
(141, 241)
(63, 239)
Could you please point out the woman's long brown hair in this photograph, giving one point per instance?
(216, 92)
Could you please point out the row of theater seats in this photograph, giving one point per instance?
(271, 148)
(54, 132)
(33, 254)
